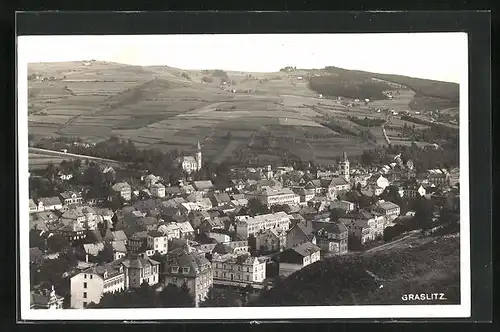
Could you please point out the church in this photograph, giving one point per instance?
(191, 163)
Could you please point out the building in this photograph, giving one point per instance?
(140, 269)
(296, 258)
(191, 163)
(89, 285)
(185, 266)
(157, 190)
(49, 204)
(299, 234)
(305, 194)
(364, 226)
(376, 184)
(138, 242)
(454, 177)
(158, 242)
(345, 206)
(204, 186)
(412, 190)
(123, 190)
(71, 197)
(387, 209)
(246, 226)
(46, 299)
(73, 232)
(270, 240)
(344, 167)
(32, 206)
(150, 179)
(438, 177)
(276, 196)
(241, 269)
(331, 237)
(170, 230)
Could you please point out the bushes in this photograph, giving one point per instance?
(331, 85)
(366, 122)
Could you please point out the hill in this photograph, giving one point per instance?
(429, 94)
(430, 267)
(170, 108)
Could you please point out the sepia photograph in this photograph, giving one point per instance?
(252, 176)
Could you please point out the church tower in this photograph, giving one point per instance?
(344, 167)
(198, 157)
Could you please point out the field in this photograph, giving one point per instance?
(168, 108)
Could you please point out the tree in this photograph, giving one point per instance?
(57, 243)
(256, 207)
(107, 254)
(173, 296)
(423, 212)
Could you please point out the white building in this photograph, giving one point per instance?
(158, 242)
(276, 196)
(191, 163)
(89, 285)
(387, 209)
(220, 238)
(238, 268)
(246, 226)
(157, 190)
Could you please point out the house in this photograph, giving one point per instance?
(331, 237)
(246, 226)
(73, 232)
(119, 236)
(237, 184)
(219, 237)
(157, 190)
(376, 185)
(139, 269)
(150, 179)
(49, 204)
(335, 184)
(211, 225)
(89, 285)
(123, 190)
(241, 269)
(71, 197)
(204, 186)
(186, 231)
(172, 191)
(238, 247)
(187, 189)
(45, 299)
(93, 249)
(299, 234)
(387, 209)
(109, 174)
(305, 194)
(345, 206)
(81, 215)
(275, 196)
(219, 199)
(138, 242)
(33, 208)
(170, 230)
(184, 266)
(454, 177)
(438, 177)
(296, 258)
(148, 223)
(196, 218)
(364, 226)
(270, 240)
(412, 190)
(158, 242)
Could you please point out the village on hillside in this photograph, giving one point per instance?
(120, 236)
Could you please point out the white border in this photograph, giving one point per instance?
(247, 313)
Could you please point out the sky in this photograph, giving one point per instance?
(437, 56)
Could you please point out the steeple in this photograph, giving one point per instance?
(344, 167)
(198, 156)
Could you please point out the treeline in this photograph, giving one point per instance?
(423, 158)
(171, 296)
(365, 135)
(331, 85)
(437, 133)
(366, 122)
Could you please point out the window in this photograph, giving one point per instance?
(84, 295)
(85, 304)
(175, 269)
(85, 276)
(84, 285)
(91, 276)
(185, 270)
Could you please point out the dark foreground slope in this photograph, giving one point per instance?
(349, 280)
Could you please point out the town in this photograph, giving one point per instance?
(176, 230)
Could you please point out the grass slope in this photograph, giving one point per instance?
(348, 280)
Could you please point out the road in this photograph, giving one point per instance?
(402, 242)
(385, 134)
(62, 154)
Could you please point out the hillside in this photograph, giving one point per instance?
(169, 108)
(430, 267)
(429, 94)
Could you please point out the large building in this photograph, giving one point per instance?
(276, 196)
(331, 237)
(294, 259)
(185, 266)
(46, 299)
(191, 163)
(387, 209)
(241, 269)
(246, 225)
